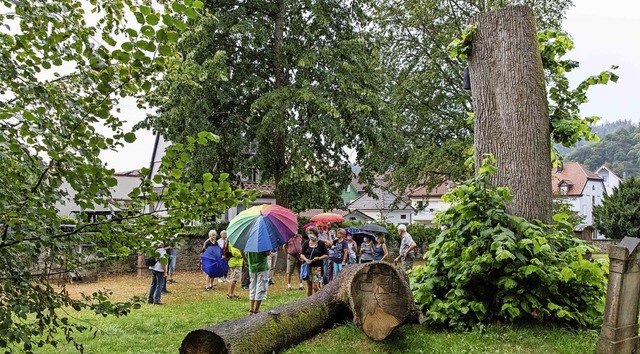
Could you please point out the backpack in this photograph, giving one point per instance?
(150, 261)
(294, 245)
(226, 252)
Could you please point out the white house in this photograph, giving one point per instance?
(126, 182)
(581, 188)
(248, 183)
(383, 208)
(610, 179)
(427, 203)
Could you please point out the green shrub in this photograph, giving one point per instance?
(617, 216)
(423, 233)
(491, 266)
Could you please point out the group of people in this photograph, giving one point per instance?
(326, 252)
(254, 269)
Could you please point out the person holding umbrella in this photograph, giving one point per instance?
(314, 253)
(208, 243)
(256, 231)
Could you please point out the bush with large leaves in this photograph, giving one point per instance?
(491, 266)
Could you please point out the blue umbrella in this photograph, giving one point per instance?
(212, 262)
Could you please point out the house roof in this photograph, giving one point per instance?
(266, 189)
(384, 201)
(437, 191)
(574, 175)
(611, 173)
(132, 173)
(360, 214)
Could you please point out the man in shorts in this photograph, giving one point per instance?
(259, 277)
(292, 249)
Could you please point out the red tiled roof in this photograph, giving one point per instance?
(574, 175)
(438, 191)
(267, 189)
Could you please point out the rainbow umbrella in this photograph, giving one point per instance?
(262, 228)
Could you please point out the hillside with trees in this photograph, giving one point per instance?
(619, 150)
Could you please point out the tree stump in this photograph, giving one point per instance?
(376, 296)
(510, 104)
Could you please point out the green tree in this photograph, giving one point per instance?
(292, 87)
(63, 74)
(619, 151)
(617, 216)
(426, 86)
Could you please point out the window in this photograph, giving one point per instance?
(349, 189)
(564, 189)
(353, 218)
(593, 200)
(593, 188)
(403, 216)
(431, 210)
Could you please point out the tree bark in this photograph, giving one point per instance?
(511, 112)
(375, 295)
(279, 136)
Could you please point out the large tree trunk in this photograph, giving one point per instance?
(375, 295)
(279, 136)
(510, 104)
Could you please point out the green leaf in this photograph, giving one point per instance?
(130, 137)
(139, 17)
(127, 46)
(164, 49)
(181, 26)
(153, 19)
(191, 13)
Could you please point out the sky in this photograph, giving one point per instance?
(603, 34)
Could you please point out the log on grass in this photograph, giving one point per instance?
(376, 296)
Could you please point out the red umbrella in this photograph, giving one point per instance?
(327, 217)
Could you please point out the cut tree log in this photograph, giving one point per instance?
(376, 296)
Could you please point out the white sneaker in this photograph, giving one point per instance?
(220, 280)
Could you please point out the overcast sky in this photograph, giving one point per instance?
(604, 34)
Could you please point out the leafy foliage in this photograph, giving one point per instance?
(567, 125)
(293, 85)
(561, 206)
(620, 151)
(617, 216)
(491, 266)
(63, 74)
(426, 86)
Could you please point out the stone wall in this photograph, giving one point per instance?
(604, 245)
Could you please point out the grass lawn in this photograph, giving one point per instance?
(160, 329)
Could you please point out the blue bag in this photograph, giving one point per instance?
(305, 268)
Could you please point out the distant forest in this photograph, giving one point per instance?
(618, 149)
